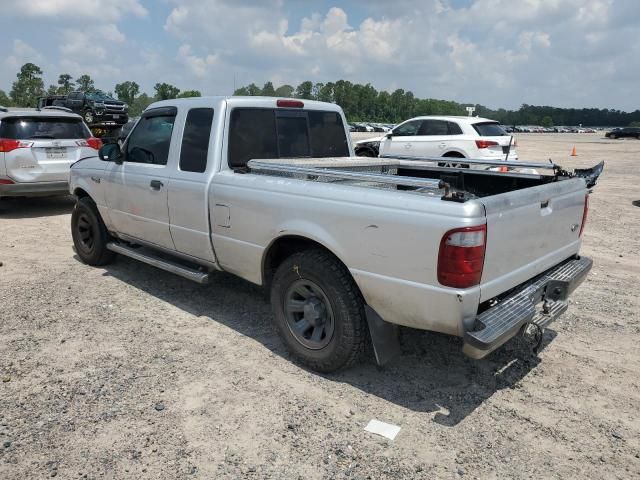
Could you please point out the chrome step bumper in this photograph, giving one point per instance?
(551, 289)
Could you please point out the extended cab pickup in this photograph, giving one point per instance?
(269, 190)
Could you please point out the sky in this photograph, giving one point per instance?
(498, 53)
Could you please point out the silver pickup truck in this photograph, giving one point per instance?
(350, 247)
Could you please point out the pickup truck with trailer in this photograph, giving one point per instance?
(350, 247)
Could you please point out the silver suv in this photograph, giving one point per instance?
(37, 148)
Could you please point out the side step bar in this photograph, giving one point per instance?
(162, 263)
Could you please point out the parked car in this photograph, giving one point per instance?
(443, 136)
(626, 132)
(244, 185)
(97, 108)
(37, 149)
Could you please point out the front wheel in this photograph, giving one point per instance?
(90, 236)
(88, 117)
(318, 311)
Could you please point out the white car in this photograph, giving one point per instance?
(443, 136)
(37, 148)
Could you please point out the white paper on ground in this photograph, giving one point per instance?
(380, 428)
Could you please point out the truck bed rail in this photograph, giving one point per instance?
(316, 171)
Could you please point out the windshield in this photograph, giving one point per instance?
(99, 96)
(489, 129)
(57, 128)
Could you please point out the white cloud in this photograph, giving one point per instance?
(22, 53)
(73, 10)
(495, 52)
(198, 66)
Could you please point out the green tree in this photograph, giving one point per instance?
(165, 91)
(65, 84)
(85, 83)
(5, 101)
(632, 124)
(127, 91)
(190, 94)
(52, 90)
(141, 102)
(546, 121)
(29, 86)
(268, 90)
(241, 92)
(285, 91)
(305, 90)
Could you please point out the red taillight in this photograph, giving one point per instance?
(485, 143)
(7, 144)
(461, 256)
(290, 103)
(6, 181)
(584, 214)
(92, 142)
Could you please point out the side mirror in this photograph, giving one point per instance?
(110, 153)
(389, 135)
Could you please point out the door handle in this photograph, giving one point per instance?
(407, 145)
(156, 184)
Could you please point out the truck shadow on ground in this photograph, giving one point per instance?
(34, 207)
(432, 375)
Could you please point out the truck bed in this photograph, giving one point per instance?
(422, 176)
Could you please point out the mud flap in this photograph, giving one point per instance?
(384, 337)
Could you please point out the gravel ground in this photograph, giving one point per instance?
(130, 372)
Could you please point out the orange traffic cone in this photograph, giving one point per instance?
(573, 152)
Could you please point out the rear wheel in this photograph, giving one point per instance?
(318, 311)
(90, 236)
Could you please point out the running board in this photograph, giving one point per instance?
(164, 264)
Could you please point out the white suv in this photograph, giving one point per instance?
(443, 136)
(37, 148)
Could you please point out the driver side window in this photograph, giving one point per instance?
(408, 129)
(150, 140)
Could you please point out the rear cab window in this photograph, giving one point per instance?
(258, 133)
(489, 129)
(195, 140)
(52, 128)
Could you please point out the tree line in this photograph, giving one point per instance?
(365, 103)
(359, 102)
(29, 87)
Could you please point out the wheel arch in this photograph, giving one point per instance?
(286, 245)
(454, 154)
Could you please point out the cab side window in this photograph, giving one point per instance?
(408, 129)
(195, 140)
(434, 127)
(150, 140)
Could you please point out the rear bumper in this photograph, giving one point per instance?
(34, 189)
(551, 289)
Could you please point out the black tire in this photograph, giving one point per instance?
(613, 137)
(365, 152)
(344, 326)
(88, 117)
(90, 236)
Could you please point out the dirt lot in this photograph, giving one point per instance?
(129, 372)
